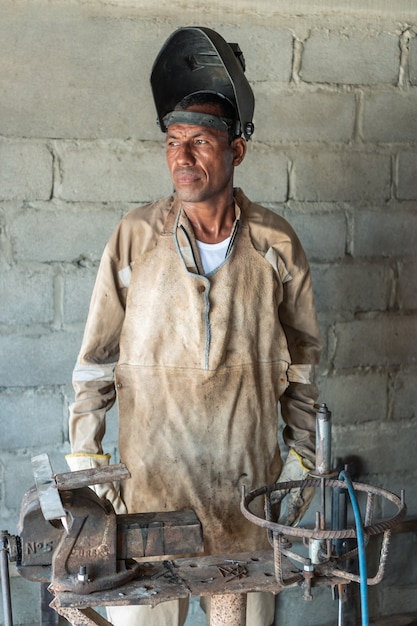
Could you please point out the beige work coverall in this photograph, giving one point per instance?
(199, 363)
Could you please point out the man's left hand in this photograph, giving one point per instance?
(297, 500)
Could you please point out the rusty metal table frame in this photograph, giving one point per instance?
(226, 579)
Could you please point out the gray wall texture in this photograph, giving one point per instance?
(334, 151)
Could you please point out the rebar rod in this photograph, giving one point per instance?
(369, 509)
(381, 567)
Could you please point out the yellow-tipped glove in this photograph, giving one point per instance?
(83, 461)
(297, 500)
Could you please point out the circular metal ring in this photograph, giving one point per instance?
(316, 533)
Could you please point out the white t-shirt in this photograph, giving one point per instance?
(212, 254)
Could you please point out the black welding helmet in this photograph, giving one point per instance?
(198, 60)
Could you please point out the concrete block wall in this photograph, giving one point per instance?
(334, 151)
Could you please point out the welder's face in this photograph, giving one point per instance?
(201, 160)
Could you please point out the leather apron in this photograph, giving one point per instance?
(202, 365)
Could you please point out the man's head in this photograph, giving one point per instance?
(202, 148)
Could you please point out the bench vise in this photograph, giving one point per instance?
(70, 536)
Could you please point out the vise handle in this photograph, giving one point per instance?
(85, 478)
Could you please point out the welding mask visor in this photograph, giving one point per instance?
(195, 60)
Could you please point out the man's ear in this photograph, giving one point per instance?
(239, 150)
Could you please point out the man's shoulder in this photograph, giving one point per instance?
(266, 225)
(150, 213)
(139, 229)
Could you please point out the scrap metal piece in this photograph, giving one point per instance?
(93, 476)
(49, 498)
(235, 570)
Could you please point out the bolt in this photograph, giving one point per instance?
(82, 574)
(308, 578)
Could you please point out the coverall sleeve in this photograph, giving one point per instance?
(93, 375)
(299, 320)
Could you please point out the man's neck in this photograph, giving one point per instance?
(211, 222)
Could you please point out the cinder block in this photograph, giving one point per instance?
(402, 546)
(26, 171)
(381, 342)
(377, 445)
(293, 114)
(77, 72)
(348, 288)
(351, 58)
(406, 480)
(321, 612)
(355, 398)
(325, 176)
(112, 172)
(31, 418)
(78, 287)
(407, 294)
(60, 232)
(412, 60)
(17, 473)
(390, 605)
(268, 50)
(407, 179)
(322, 232)
(56, 456)
(400, 596)
(404, 395)
(390, 116)
(384, 232)
(26, 294)
(41, 358)
(263, 175)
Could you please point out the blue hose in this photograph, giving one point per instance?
(361, 548)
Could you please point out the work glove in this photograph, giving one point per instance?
(83, 461)
(297, 500)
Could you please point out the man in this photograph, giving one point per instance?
(202, 319)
